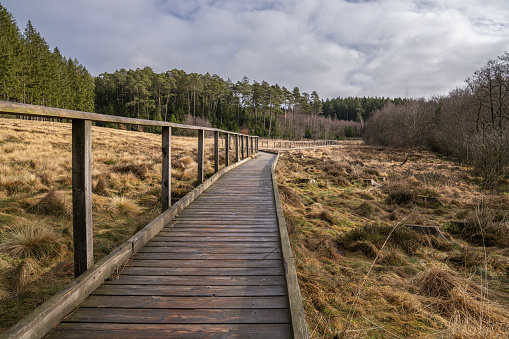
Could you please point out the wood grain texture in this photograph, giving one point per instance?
(82, 195)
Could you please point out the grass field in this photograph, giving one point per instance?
(365, 272)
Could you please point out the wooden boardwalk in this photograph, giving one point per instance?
(217, 272)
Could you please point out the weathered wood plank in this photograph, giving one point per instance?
(200, 281)
(252, 244)
(205, 263)
(144, 331)
(197, 291)
(218, 256)
(212, 239)
(221, 230)
(169, 249)
(220, 234)
(138, 301)
(179, 316)
(202, 271)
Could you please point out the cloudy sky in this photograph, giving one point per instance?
(392, 48)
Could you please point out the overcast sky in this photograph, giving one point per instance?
(392, 48)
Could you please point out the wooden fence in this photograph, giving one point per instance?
(245, 146)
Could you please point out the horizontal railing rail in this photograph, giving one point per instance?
(278, 144)
(245, 146)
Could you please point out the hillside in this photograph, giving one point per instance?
(364, 273)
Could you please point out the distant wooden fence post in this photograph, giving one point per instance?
(82, 195)
(216, 151)
(252, 144)
(227, 150)
(166, 172)
(241, 147)
(246, 146)
(236, 148)
(248, 141)
(201, 156)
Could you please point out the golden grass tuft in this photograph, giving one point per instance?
(124, 205)
(457, 298)
(139, 170)
(101, 188)
(53, 203)
(190, 172)
(23, 274)
(34, 240)
(186, 162)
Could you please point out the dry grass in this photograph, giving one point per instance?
(35, 201)
(364, 274)
(53, 203)
(30, 241)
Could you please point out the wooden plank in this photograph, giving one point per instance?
(219, 256)
(166, 171)
(208, 250)
(179, 316)
(154, 331)
(181, 234)
(212, 239)
(221, 230)
(205, 263)
(199, 281)
(215, 244)
(203, 271)
(197, 291)
(139, 301)
(82, 195)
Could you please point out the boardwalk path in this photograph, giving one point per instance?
(216, 272)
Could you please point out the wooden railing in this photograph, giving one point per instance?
(278, 144)
(245, 146)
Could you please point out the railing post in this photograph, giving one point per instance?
(252, 145)
(201, 156)
(236, 148)
(246, 145)
(166, 172)
(242, 147)
(216, 151)
(227, 150)
(82, 195)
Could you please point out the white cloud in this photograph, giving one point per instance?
(336, 47)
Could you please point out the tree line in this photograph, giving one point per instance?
(356, 109)
(471, 123)
(31, 73)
